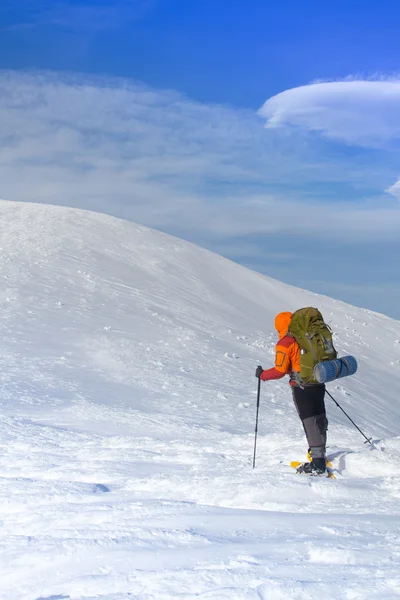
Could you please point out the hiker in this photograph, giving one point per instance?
(308, 398)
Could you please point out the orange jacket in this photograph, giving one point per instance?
(287, 358)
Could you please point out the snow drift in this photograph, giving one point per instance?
(127, 418)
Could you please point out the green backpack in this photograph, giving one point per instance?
(314, 337)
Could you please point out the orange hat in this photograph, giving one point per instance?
(282, 322)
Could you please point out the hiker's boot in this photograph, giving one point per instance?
(317, 466)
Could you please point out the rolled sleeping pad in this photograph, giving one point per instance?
(330, 370)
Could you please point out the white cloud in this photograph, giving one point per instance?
(365, 113)
(162, 160)
(394, 189)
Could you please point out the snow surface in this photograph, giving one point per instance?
(127, 425)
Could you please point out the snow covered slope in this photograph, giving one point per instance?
(127, 426)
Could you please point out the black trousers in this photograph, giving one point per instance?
(310, 405)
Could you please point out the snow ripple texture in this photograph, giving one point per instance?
(127, 426)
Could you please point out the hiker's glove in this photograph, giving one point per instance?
(259, 370)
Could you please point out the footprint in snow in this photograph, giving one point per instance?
(56, 597)
(97, 488)
(342, 390)
(233, 355)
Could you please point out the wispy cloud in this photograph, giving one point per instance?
(88, 17)
(160, 159)
(208, 173)
(364, 294)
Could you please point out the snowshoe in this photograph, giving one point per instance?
(317, 466)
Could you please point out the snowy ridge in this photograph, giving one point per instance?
(127, 418)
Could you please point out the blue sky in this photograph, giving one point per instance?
(266, 131)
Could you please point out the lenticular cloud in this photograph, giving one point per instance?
(365, 113)
(394, 189)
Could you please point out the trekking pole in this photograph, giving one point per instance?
(256, 429)
(368, 440)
